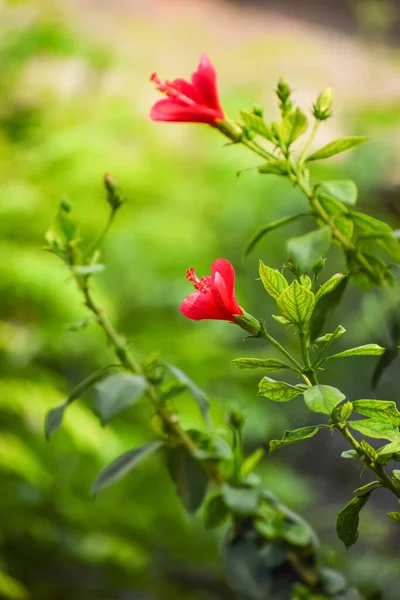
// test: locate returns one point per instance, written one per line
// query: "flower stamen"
(168, 88)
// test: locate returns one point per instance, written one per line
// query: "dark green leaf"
(196, 391)
(323, 398)
(383, 409)
(257, 124)
(89, 269)
(117, 393)
(270, 227)
(215, 512)
(292, 437)
(124, 464)
(189, 477)
(296, 303)
(348, 520)
(278, 391)
(171, 389)
(273, 281)
(325, 306)
(344, 190)
(268, 364)
(54, 419)
(366, 350)
(243, 502)
(336, 147)
(377, 428)
(310, 248)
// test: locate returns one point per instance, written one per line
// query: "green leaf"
(332, 206)
(348, 520)
(278, 391)
(273, 281)
(215, 512)
(124, 464)
(257, 124)
(336, 147)
(55, 416)
(89, 269)
(292, 437)
(389, 452)
(325, 306)
(275, 167)
(197, 393)
(117, 393)
(268, 364)
(12, 589)
(296, 303)
(189, 477)
(323, 398)
(293, 126)
(377, 428)
(350, 454)
(171, 389)
(369, 224)
(395, 516)
(243, 502)
(250, 463)
(366, 350)
(372, 485)
(383, 409)
(281, 320)
(344, 190)
(396, 474)
(310, 248)
(331, 337)
(329, 286)
(270, 227)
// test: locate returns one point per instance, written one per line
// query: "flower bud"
(322, 109)
(114, 194)
(283, 90)
(236, 418)
(258, 111)
(249, 323)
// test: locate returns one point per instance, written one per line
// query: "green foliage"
(296, 303)
(273, 281)
(267, 364)
(310, 248)
(189, 477)
(292, 437)
(261, 233)
(348, 519)
(336, 147)
(117, 393)
(344, 190)
(323, 398)
(278, 391)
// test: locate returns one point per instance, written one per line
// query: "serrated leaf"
(329, 285)
(124, 464)
(292, 437)
(377, 428)
(310, 248)
(117, 393)
(273, 281)
(243, 502)
(270, 227)
(383, 409)
(296, 303)
(189, 478)
(277, 391)
(88, 269)
(257, 124)
(344, 190)
(215, 512)
(268, 364)
(293, 126)
(197, 393)
(336, 147)
(348, 520)
(365, 350)
(395, 516)
(323, 398)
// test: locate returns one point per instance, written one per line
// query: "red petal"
(200, 306)
(223, 275)
(187, 89)
(205, 82)
(170, 109)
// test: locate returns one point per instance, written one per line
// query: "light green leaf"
(89, 269)
(241, 501)
(278, 391)
(296, 303)
(11, 589)
(197, 393)
(366, 350)
(323, 398)
(257, 124)
(250, 462)
(396, 474)
(395, 516)
(293, 126)
(372, 485)
(331, 337)
(273, 281)
(329, 285)
(268, 364)
(310, 248)
(281, 320)
(348, 520)
(117, 393)
(189, 477)
(270, 227)
(377, 428)
(344, 190)
(350, 454)
(389, 452)
(274, 167)
(292, 437)
(124, 464)
(336, 147)
(383, 409)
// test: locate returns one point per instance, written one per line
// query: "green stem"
(308, 368)
(255, 147)
(281, 349)
(103, 234)
(304, 153)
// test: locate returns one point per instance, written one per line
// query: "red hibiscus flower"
(214, 297)
(190, 102)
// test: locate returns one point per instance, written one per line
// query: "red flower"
(191, 102)
(214, 297)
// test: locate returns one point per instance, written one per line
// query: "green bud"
(322, 109)
(231, 129)
(236, 417)
(258, 110)
(65, 204)
(283, 90)
(346, 411)
(114, 195)
(249, 323)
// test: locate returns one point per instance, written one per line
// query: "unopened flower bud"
(283, 90)
(258, 110)
(236, 417)
(322, 109)
(114, 194)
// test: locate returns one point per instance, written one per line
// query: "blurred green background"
(74, 104)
